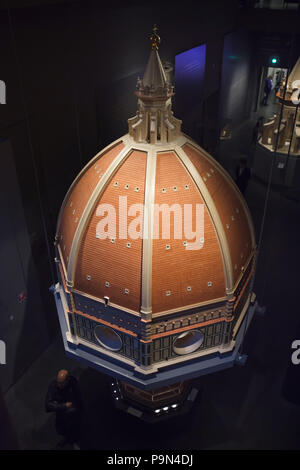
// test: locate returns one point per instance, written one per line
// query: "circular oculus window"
(108, 338)
(188, 342)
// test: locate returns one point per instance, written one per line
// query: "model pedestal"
(157, 404)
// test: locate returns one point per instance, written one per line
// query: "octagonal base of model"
(188, 370)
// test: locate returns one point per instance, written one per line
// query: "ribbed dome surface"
(155, 274)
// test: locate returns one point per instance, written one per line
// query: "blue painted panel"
(189, 81)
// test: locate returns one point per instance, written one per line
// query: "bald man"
(64, 399)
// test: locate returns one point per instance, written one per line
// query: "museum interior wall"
(237, 76)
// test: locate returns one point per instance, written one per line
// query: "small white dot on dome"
(186, 186)
(212, 170)
(107, 284)
(116, 184)
(73, 211)
(175, 188)
(126, 186)
(112, 240)
(126, 291)
(163, 190)
(168, 247)
(168, 292)
(232, 217)
(204, 179)
(208, 174)
(209, 283)
(189, 288)
(185, 243)
(71, 204)
(88, 277)
(202, 240)
(137, 189)
(227, 226)
(128, 244)
(76, 220)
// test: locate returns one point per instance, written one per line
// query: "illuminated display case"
(281, 135)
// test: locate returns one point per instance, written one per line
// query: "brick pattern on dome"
(182, 277)
(114, 269)
(79, 197)
(227, 200)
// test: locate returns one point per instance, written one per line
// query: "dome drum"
(145, 346)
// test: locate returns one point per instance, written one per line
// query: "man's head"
(62, 378)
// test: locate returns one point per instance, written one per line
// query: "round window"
(108, 338)
(188, 342)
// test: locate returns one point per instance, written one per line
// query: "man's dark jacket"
(57, 398)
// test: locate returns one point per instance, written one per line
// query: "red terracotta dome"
(166, 275)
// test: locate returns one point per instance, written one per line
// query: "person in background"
(278, 82)
(242, 175)
(267, 89)
(64, 399)
(257, 130)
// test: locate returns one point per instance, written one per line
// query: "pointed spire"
(154, 76)
(155, 81)
(154, 121)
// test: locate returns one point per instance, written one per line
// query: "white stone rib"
(146, 302)
(214, 215)
(104, 180)
(230, 182)
(84, 169)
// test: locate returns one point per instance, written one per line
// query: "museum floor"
(251, 407)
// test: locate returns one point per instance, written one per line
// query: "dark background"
(70, 70)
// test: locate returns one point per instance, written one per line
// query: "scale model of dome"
(154, 308)
(288, 115)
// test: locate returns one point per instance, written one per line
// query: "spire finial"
(154, 121)
(154, 38)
